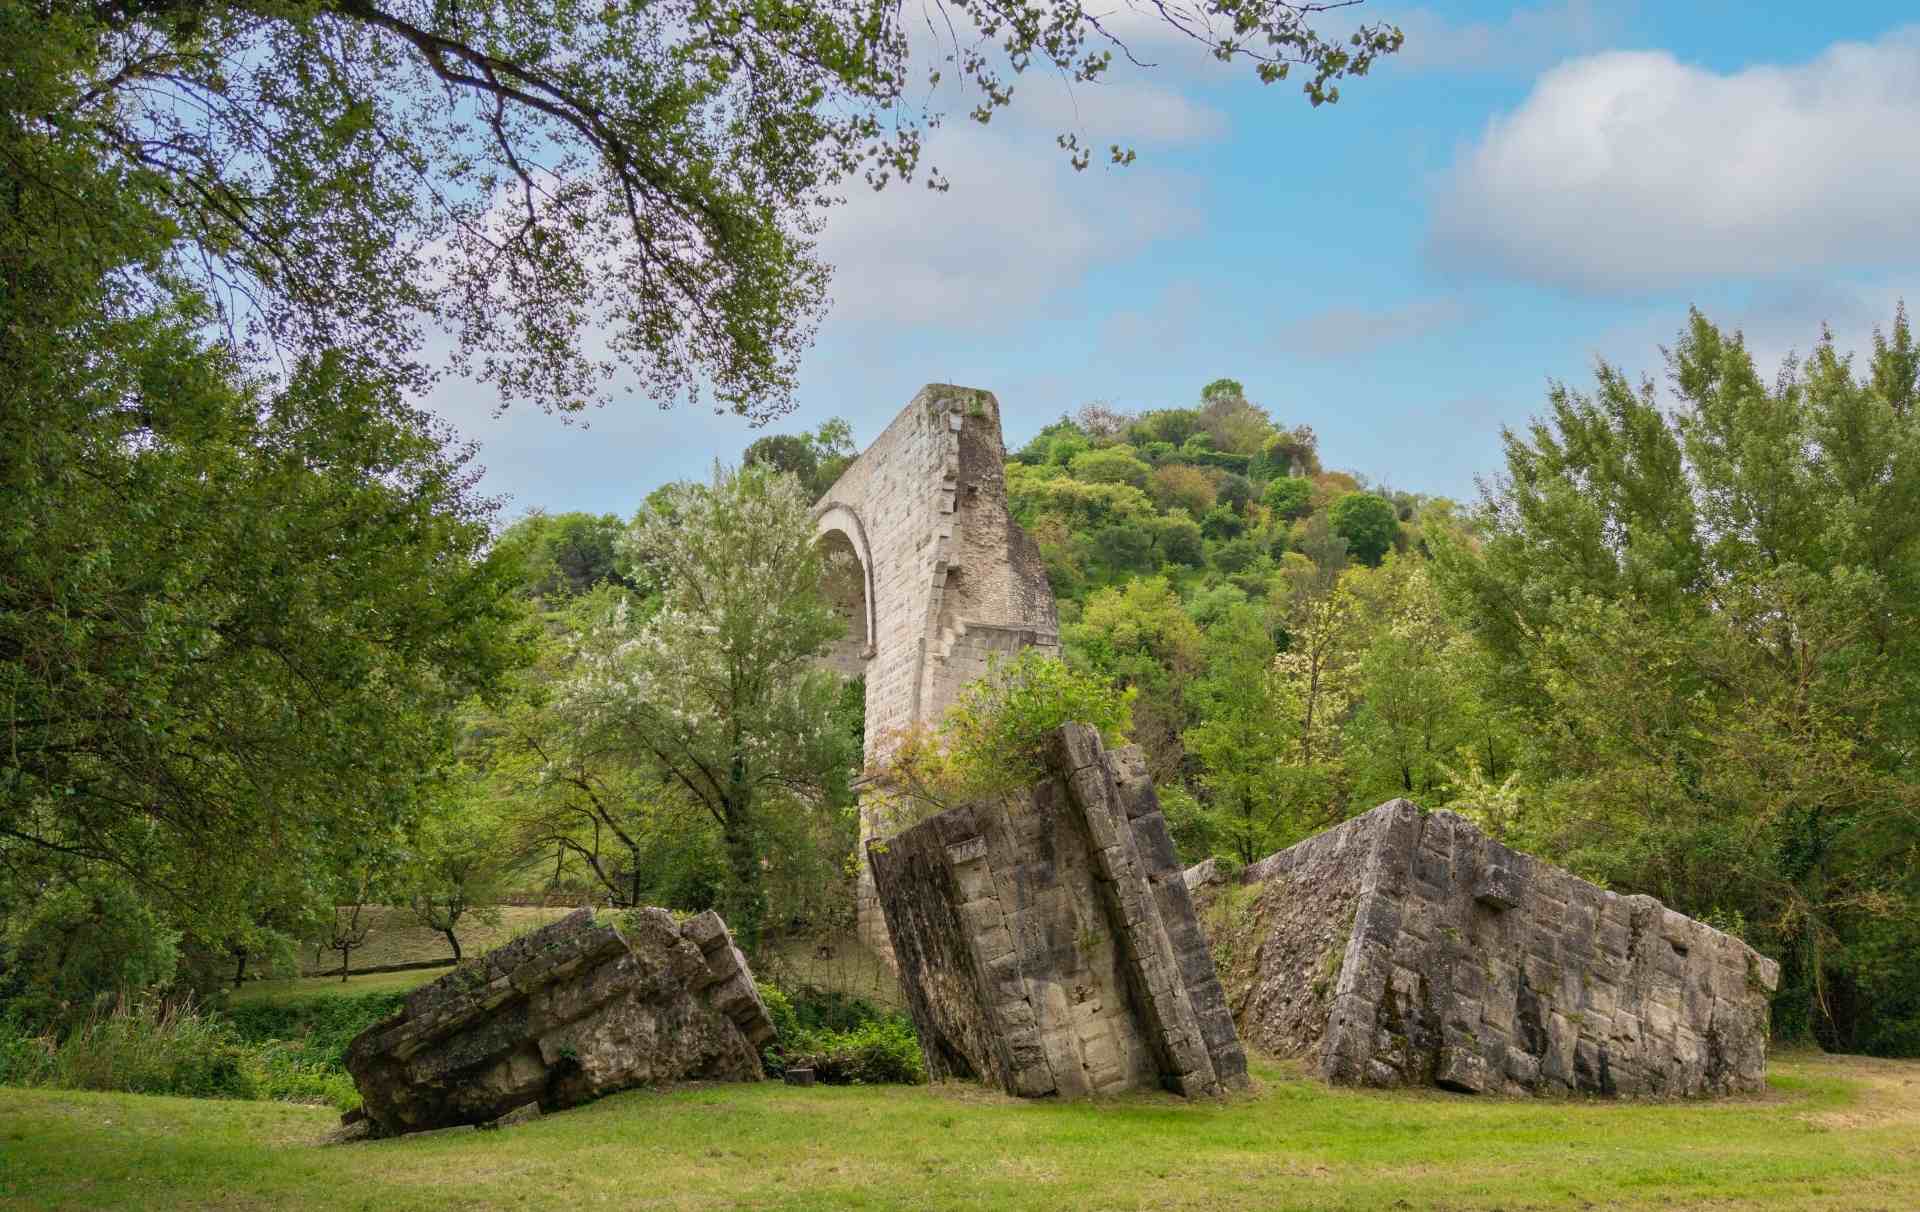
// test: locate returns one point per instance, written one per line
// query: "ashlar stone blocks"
(1046, 940)
(565, 1014)
(942, 579)
(1408, 948)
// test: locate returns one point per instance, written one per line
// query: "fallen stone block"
(561, 1016)
(1046, 940)
(1405, 948)
(799, 1077)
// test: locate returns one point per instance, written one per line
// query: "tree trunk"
(453, 941)
(746, 900)
(240, 968)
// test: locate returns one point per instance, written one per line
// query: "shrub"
(1110, 465)
(283, 1070)
(1179, 540)
(80, 946)
(1368, 522)
(25, 1060)
(845, 1040)
(878, 1053)
(155, 1048)
(1290, 497)
(321, 1025)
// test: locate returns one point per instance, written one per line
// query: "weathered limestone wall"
(950, 579)
(1047, 942)
(1407, 948)
(563, 1015)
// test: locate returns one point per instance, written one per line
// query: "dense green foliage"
(238, 607)
(321, 1024)
(164, 1048)
(561, 190)
(1673, 650)
(674, 742)
(845, 1041)
(1704, 616)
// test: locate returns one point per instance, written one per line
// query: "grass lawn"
(843, 964)
(1831, 1133)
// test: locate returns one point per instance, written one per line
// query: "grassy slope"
(396, 938)
(844, 965)
(310, 986)
(1833, 1133)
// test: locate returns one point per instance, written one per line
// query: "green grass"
(320, 986)
(1832, 1133)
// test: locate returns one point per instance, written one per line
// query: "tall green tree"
(718, 690)
(1368, 522)
(1247, 743)
(1703, 610)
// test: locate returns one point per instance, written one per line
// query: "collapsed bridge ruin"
(943, 580)
(1408, 948)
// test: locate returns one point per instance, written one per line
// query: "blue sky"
(1523, 189)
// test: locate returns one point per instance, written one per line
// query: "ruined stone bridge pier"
(941, 579)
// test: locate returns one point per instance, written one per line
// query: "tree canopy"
(564, 191)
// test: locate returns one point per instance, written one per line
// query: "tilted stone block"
(563, 1015)
(1046, 940)
(1407, 948)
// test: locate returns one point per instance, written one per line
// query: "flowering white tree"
(720, 689)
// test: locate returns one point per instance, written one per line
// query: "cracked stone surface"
(1408, 948)
(1046, 940)
(561, 1016)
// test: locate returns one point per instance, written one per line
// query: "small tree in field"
(718, 692)
(455, 870)
(349, 933)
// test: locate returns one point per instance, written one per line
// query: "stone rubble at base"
(561, 1016)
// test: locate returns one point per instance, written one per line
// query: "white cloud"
(1634, 171)
(1525, 40)
(1016, 227)
(1344, 332)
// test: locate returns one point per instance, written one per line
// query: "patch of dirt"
(1889, 1095)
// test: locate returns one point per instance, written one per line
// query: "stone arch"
(839, 532)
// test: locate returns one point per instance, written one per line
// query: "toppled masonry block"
(561, 1016)
(1046, 940)
(1407, 948)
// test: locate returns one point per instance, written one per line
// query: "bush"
(1290, 497)
(78, 948)
(321, 1026)
(283, 1070)
(879, 1053)
(155, 1048)
(1369, 523)
(1110, 465)
(25, 1060)
(159, 1048)
(846, 1041)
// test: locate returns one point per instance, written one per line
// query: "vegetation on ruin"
(1831, 1133)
